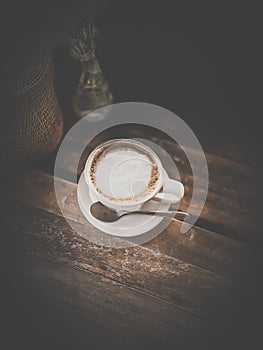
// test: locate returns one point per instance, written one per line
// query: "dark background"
(200, 59)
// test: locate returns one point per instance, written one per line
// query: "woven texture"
(31, 122)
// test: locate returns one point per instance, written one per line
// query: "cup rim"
(111, 202)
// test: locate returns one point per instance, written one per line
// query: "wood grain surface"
(200, 247)
(151, 296)
(233, 200)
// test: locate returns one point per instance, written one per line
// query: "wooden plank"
(214, 252)
(199, 247)
(233, 203)
(85, 294)
(55, 305)
(190, 288)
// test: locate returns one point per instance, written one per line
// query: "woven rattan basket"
(30, 121)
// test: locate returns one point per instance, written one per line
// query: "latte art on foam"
(124, 172)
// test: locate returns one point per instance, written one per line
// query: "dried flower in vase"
(93, 90)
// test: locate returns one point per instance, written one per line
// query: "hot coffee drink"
(124, 171)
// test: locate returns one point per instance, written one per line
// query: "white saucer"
(127, 226)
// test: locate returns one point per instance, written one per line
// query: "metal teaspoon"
(103, 213)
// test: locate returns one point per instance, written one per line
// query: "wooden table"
(200, 289)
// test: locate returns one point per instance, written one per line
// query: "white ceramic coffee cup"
(172, 192)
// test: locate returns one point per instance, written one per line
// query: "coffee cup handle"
(173, 191)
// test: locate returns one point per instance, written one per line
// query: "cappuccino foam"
(124, 172)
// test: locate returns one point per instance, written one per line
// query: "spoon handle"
(165, 214)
